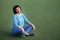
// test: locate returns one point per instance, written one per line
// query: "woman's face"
(18, 10)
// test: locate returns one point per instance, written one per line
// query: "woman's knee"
(30, 27)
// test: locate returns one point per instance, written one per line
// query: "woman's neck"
(19, 14)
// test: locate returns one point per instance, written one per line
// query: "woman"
(18, 23)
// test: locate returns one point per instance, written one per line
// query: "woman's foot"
(30, 34)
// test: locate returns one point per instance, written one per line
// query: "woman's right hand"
(23, 31)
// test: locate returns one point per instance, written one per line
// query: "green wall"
(45, 14)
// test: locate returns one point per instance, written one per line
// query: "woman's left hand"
(33, 26)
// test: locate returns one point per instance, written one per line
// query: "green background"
(45, 14)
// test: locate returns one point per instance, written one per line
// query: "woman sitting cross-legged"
(18, 23)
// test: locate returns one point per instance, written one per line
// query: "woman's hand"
(23, 31)
(32, 26)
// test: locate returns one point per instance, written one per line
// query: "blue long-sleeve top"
(19, 20)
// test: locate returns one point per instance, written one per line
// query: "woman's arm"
(28, 22)
(32, 26)
(23, 31)
(16, 24)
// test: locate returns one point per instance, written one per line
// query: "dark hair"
(15, 8)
